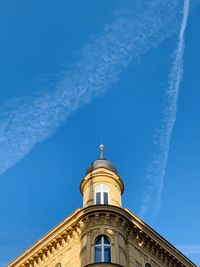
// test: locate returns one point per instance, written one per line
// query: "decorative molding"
(91, 221)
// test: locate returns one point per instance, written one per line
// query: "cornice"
(151, 240)
(57, 238)
(135, 229)
(82, 220)
(103, 172)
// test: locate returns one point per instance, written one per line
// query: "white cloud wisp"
(136, 28)
(190, 249)
(156, 174)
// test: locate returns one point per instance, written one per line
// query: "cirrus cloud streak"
(156, 174)
(136, 28)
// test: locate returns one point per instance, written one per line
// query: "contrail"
(156, 173)
(135, 29)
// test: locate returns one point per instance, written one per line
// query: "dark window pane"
(98, 254)
(107, 256)
(105, 198)
(106, 240)
(98, 198)
(98, 241)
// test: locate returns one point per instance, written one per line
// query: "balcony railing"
(103, 264)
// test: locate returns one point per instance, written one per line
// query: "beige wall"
(118, 250)
(97, 177)
(67, 255)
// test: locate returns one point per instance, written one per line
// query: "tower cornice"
(103, 172)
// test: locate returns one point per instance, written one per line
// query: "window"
(102, 249)
(58, 265)
(101, 192)
(147, 265)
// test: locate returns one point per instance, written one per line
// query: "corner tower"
(102, 233)
(102, 184)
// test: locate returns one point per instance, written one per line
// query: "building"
(102, 233)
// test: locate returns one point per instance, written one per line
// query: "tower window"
(102, 249)
(101, 192)
(147, 265)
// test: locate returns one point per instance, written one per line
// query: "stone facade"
(72, 243)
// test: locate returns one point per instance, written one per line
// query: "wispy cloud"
(156, 172)
(190, 249)
(137, 26)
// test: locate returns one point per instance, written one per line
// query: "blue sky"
(74, 74)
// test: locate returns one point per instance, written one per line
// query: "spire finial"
(102, 150)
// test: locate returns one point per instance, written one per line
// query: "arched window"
(147, 265)
(102, 249)
(101, 193)
(58, 264)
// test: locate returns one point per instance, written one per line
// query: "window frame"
(101, 189)
(103, 246)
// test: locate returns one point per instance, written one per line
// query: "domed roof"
(101, 163)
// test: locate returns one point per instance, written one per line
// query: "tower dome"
(101, 163)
